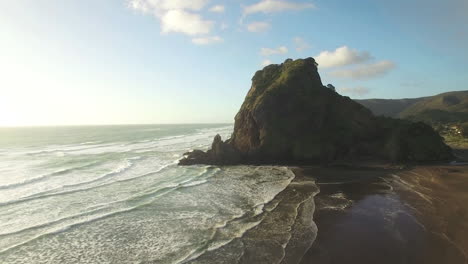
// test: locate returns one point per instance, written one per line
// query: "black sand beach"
(390, 215)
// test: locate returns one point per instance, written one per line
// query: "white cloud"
(159, 6)
(366, 71)
(273, 6)
(185, 22)
(258, 26)
(341, 56)
(266, 62)
(176, 15)
(182, 4)
(301, 44)
(207, 40)
(268, 51)
(217, 9)
(357, 91)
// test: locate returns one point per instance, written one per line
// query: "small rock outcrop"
(221, 153)
(290, 117)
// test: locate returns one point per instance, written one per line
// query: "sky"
(76, 62)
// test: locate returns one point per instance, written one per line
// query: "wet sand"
(382, 214)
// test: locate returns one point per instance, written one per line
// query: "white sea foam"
(195, 197)
(66, 202)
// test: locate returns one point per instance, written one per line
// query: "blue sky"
(68, 62)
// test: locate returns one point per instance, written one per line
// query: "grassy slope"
(442, 108)
(389, 107)
(450, 102)
(451, 107)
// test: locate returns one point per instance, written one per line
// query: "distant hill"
(389, 107)
(450, 107)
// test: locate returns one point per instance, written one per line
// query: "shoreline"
(383, 214)
(284, 233)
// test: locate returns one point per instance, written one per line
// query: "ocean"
(114, 194)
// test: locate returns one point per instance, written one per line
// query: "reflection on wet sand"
(379, 215)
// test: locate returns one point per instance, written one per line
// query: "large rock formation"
(289, 117)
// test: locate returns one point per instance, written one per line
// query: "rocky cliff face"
(289, 117)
